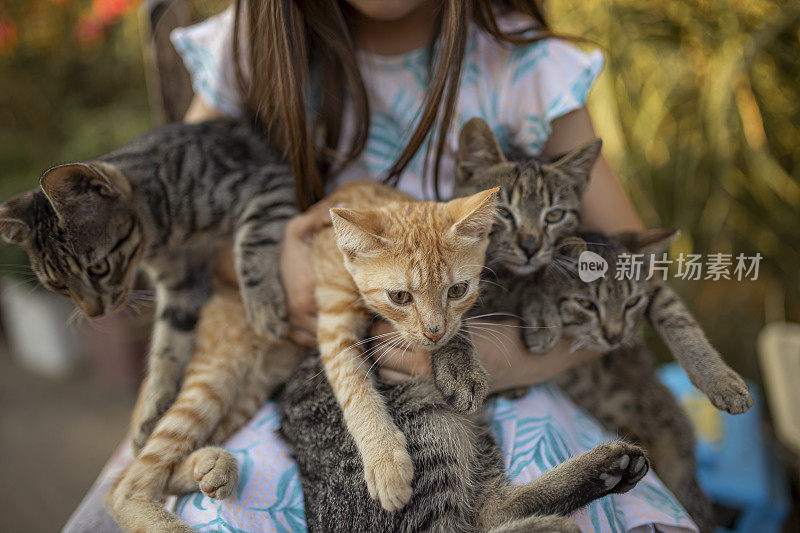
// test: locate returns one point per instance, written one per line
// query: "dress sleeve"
(545, 80)
(207, 51)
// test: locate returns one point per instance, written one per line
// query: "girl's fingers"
(310, 221)
(411, 362)
(302, 337)
(306, 321)
(388, 374)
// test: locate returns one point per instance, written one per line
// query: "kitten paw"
(623, 466)
(729, 392)
(542, 339)
(217, 473)
(463, 387)
(389, 473)
(266, 313)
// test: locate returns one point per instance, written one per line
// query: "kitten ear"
(357, 232)
(474, 215)
(571, 247)
(577, 164)
(477, 149)
(648, 242)
(14, 217)
(75, 185)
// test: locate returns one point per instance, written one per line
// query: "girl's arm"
(605, 208)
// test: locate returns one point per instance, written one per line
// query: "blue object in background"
(736, 468)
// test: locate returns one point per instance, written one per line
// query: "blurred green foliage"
(65, 95)
(699, 108)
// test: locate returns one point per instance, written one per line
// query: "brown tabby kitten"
(621, 390)
(539, 206)
(460, 484)
(418, 265)
(162, 204)
(232, 372)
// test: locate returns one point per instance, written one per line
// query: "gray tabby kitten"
(459, 484)
(165, 203)
(539, 207)
(621, 389)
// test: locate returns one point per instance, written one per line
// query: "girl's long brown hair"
(287, 38)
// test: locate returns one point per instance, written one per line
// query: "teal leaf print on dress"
(523, 59)
(287, 513)
(544, 440)
(663, 500)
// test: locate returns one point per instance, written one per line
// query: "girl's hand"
(297, 272)
(504, 356)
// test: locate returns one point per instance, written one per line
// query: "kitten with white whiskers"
(533, 249)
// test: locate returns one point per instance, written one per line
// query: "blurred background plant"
(699, 110)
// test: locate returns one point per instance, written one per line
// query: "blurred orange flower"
(110, 11)
(92, 24)
(8, 36)
(88, 29)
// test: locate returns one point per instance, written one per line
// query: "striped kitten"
(621, 390)
(164, 204)
(231, 373)
(416, 264)
(540, 204)
(460, 483)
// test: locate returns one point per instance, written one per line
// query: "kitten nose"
(433, 333)
(92, 309)
(612, 338)
(529, 244)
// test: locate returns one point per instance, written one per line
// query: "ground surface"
(54, 439)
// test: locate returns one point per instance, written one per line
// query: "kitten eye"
(98, 270)
(633, 303)
(399, 297)
(586, 304)
(457, 291)
(554, 215)
(505, 213)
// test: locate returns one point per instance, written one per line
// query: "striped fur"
(232, 372)
(164, 204)
(459, 483)
(381, 245)
(622, 390)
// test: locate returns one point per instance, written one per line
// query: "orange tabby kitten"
(230, 375)
(418, 265)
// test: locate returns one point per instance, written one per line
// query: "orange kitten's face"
(418, 264)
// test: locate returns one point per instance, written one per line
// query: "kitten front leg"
(181, 292)
(541, 321)
(257, 259)
(458, 374)
(703, 364)
(388, 468)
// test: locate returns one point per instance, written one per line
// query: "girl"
(379, 88)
